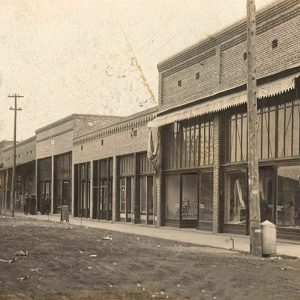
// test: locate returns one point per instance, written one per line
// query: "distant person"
(42, 205)
(26, 204)
(32, 204)
(19, 201)
(47, 204)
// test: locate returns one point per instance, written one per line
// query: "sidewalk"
(241, 243)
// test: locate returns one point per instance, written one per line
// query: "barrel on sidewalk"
(268, 231)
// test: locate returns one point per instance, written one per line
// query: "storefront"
(44, 181)
(187, 169)
(102, 189)
(146, 189)
(82, 190)
(6, 176)
(279, 166)
(127, 184)
(25, 183)
(62, 181)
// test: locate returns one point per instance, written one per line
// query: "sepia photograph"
(149, 149)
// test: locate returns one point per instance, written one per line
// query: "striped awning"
(225, 102)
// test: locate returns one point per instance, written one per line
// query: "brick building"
(202, 115)
(54, 146)
(113, 177)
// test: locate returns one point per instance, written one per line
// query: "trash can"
(64, 216)
(268, 235)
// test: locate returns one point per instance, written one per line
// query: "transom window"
(277, 133)
(188, 144)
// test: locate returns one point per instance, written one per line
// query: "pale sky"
(71, 56)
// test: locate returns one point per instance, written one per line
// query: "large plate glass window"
(288, 199)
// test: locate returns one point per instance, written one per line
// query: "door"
(128, 199)
(267, 181)
(105, 207)
(125, 199)
(150, 192)
(44, 192)
(66, 193)
(205, 200)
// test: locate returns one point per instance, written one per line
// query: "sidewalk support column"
(134, 192)
(6, 191)
(137, 189)
(91, 188)
(158, 179)
(73, 188)
(36, 183)
(159, 185)
(52, 184)
(216, 175)
(114, 190)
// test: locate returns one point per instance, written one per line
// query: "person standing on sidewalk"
(26, 204)
(47, 204)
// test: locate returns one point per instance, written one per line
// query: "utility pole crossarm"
(14, 174)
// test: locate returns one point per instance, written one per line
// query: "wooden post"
(134, 200)
(114, 191)
(52, 183)
(254, 201)
(73, 189)
(6, 188)
(91, 189)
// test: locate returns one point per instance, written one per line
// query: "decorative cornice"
(123, 126)
(54, 135)
(22, 143)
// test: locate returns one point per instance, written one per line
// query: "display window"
(288, 199)
(235, 205)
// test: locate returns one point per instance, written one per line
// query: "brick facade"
(26, 152)
(220, 59)
(127, 136)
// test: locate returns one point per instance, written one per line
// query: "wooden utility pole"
(13, 182)
(253, 171)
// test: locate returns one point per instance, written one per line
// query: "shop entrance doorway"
(104, 203)
(66, 193)
(125, 199)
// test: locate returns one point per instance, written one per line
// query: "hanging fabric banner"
(153, 151)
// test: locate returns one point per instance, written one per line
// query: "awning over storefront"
(222, 103)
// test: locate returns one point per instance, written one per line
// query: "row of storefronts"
(188, 167)
(132, 201)
(184, 163)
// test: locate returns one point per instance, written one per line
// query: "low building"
(54, 146)
(113, 177)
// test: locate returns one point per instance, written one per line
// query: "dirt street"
(69, 262)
